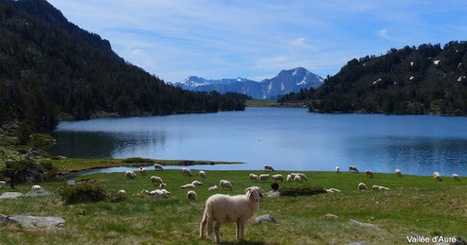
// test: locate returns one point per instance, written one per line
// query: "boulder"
(37, 222)
(264, 218)
(11, 195)
(37, 192)
(354, 222)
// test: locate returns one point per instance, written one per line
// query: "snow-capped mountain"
(285, 82)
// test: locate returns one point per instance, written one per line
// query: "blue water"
(287, 138)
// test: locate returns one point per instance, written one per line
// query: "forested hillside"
(424, 80)
(52, 69)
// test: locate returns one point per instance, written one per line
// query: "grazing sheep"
(331, 190)
(289, 178)
(191, 195)
(159, 193)
(213, 188)
(264, 177)
(278, 177)
(202, 174)
(196, 183)
(297, 178)
(130, 174)
(353, 168)
(398, 172)
(362, 186)
(142, 170)
(36, 187)
(268, 167)
(186, 171)
(122, 192)
(303, 176)
(293, 175)
(155, 179)
(369, 173)
(437, 176)
(158, 166)
(455, 177)
(225, 184)
(337, 169)
(229, 209)
(162, 185)
(254, 177)
(187, 186)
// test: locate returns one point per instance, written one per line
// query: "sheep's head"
(254, 192)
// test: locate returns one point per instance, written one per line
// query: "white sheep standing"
(455, 177)
(398, 172)
(142, 170)
(225, 184)
(264, 177)
(196, 183)
(157, 179)
(130, 174)
(158, 166)
(289, 178)
(213, 188)
(302, 176)
(369, 173)
(362, 186)
(254, 177)
(122, 192)
(186, 171)
(202, 174)
(268, 167)
(36, 187)
(353, 168)
(337, 169)
(437, 176)
(191, 195)
(297, 178)
(229, 209)
(278, 177)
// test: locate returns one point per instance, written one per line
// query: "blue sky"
(258, 39)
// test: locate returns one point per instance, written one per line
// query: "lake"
(286, 138)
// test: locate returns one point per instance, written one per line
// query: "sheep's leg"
(238, 229)
(242, 228)
(216, 230)
(202, 226)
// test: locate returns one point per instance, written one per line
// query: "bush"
(302, 191)
(28, 171)
(40, 140)
(83, 193)
(138, 160)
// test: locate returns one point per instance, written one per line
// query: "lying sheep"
(36, 187)
(337, 169)
(302, 176)
(264, 177)
(362, 186)
(142, 170)
(130, 174)
(289, 178)
(229, 209)
(375, 187)
(455, 177)
(254, 177)
(202, 174)
(159, 193)
(225, 184)
(187, 186)
(186, 171)
(191, 195)
(383, 188)
(122, 192)
(297, 178)
(369, 173)
(213, 188)
(331, 190)
(278, 177)
(145, 192)
(437, 176)
(158, 166)
(157, 179)
(196, 183)
(353, 168)
(398, 172)
(268, 167)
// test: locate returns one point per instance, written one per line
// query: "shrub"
(302, 191)
(83, 193)
(28, 171)
(40, 140)
(138, 160)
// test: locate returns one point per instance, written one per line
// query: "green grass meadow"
(414, 205)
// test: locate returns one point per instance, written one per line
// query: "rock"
(37, 222)
(264, 218)
(11, 195)
(272, 194)
(331, 216)
(4, 220)
(354, 222)
(37, 192)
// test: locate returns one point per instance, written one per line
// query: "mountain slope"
(424, 80)
(285, 82)
(50, 68)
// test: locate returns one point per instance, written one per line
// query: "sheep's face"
(254, 193)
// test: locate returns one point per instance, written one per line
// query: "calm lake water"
(287, 138)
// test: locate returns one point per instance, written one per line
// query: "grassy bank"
(414, 205)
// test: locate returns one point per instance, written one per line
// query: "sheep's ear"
(248, 190)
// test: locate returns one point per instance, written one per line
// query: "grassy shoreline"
(414, 205)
